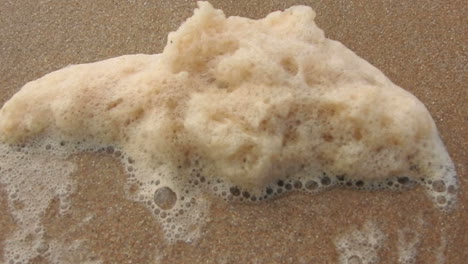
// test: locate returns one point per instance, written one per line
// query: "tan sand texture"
(316, 216)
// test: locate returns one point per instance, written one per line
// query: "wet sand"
(420, 45)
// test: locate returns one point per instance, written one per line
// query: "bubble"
(325, 180)
(110, 150)
(311, 185)
(165, 198)
(354, 260)
(269, 191)
(441, 199)
(42, 248)
(234, 191)
(403, 180)
(439, 186)
(280, 183)
(297, 184)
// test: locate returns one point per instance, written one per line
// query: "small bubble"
(359, 183)
(288, 186)
(64, 206)
(311, 185)
(280, 183)
(42, 248)
(234, 191)
(441, 199)
(279, 190)
(439, 186)
(354, 260)
(297, 184)
(165, 197)
(110, 150)
(403, 180)
(269, 191)
(325, 181)
(246, 194)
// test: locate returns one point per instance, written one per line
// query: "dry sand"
(421, 45)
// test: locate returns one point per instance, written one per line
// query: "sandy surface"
(421, 45)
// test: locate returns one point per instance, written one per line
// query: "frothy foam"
(245, 109)
(360, 246)
(33, 176)
(408, 242)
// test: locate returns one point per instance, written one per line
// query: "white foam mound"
(243, 108)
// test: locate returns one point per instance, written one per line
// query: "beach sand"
(421, 46)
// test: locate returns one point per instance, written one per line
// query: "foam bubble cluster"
(245, 109)
(360, 246)
(33, 176)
